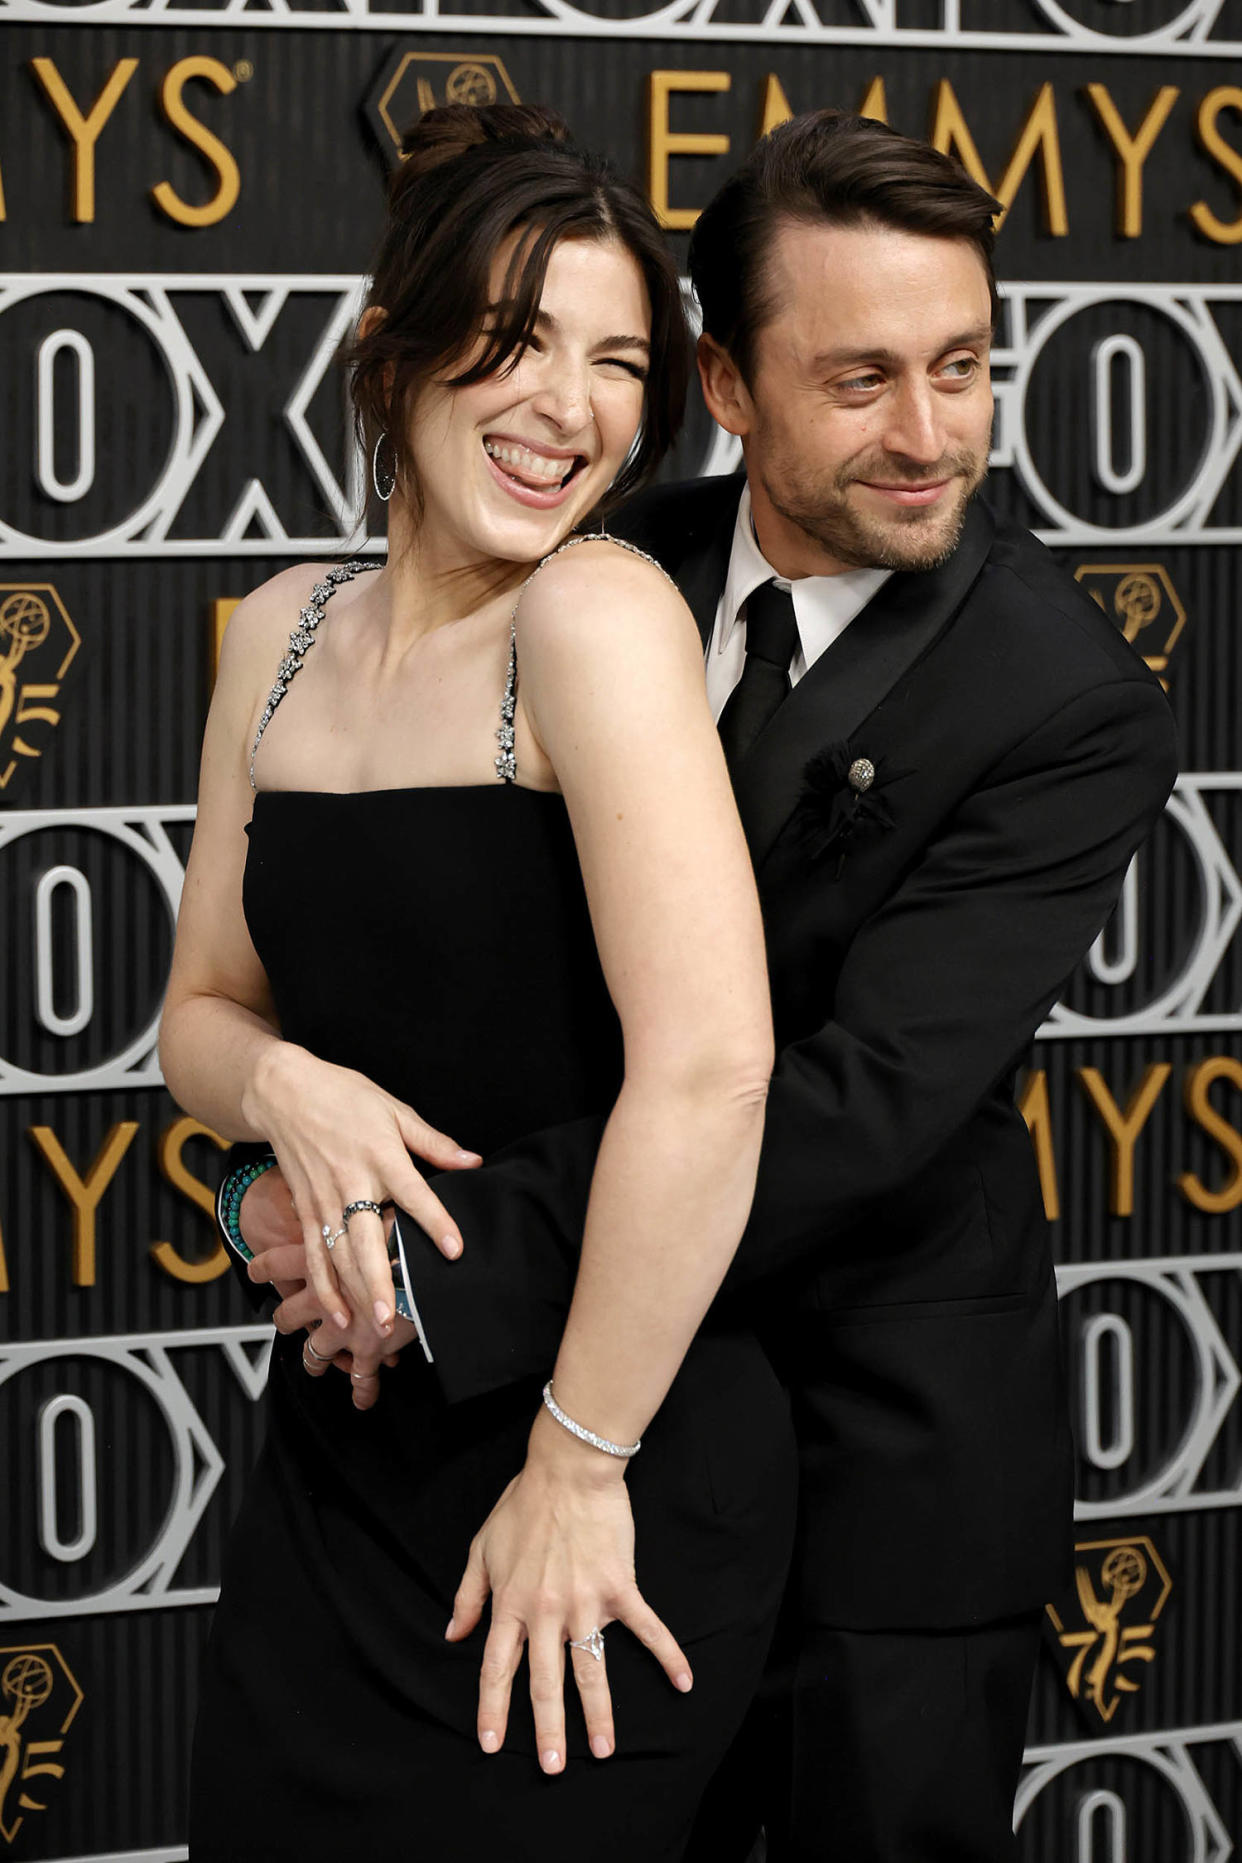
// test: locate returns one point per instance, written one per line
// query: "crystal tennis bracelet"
(585, 1435)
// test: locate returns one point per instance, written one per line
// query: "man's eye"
(962, 367)
(862, 383)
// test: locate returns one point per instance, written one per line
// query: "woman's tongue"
(537, 481)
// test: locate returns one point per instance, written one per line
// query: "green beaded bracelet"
(229, 1202)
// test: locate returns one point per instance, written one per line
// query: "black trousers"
(878, 1747)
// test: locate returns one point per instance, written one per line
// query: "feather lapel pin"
(839, 805)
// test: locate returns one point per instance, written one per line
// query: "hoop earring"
(382, 492)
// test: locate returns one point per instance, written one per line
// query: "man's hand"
(329, 1347)
(271, 1230)
(268, 1218)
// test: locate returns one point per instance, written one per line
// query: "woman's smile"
(536, 476)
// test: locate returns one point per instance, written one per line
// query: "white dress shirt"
(406, 1306)
(824, 606)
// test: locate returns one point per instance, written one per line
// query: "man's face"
(867, 420)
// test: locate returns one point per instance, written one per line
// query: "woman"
(412, 925)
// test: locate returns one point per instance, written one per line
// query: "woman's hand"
(556, 1554)
(340, 1139)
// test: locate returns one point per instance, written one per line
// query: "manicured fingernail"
(468, 1157)
(684, 1681)
(452, 1625)
(381, 1314)
(341, 1320)
(551, 1760)
(452, 1247)
(601, 1746)
(488, 1741)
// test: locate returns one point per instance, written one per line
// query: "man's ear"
(726, 394)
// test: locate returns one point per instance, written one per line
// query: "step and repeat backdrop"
(189, 194)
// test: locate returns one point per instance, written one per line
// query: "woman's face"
(509, 465)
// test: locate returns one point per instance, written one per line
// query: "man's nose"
(916, 427)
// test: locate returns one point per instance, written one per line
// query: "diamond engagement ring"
(593, 1645)
(332, 1236)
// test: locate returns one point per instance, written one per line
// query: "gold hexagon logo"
(39, 1699)
(37, 643)
(419, 81)
(1141, 599)
(1113, 1580)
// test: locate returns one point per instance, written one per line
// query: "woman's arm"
(336, 1134)
(611, 684)
(218, 1020)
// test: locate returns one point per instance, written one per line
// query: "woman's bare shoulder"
(258, 629)
(585, 590)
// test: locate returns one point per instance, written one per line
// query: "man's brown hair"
(823, 169)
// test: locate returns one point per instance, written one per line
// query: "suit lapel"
(848, 681)
(703, 569)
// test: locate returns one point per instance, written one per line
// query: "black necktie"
(771, 637)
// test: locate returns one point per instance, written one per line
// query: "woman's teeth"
(519, 459)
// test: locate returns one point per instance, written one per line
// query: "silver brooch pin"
(861, 774)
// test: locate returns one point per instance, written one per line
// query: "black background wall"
(190, 196)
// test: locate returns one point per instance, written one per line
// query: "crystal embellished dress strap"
(506, 760)
(302, 639)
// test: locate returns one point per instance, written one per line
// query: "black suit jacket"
(896, 1258)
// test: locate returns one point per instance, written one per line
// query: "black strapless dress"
(439, 941)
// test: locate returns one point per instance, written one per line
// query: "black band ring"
(363, 1203)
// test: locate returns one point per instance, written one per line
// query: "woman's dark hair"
(470, 178)
(823, 169)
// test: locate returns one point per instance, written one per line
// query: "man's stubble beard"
(917, 539)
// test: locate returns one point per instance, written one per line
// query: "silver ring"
(308, 1347)
(363, 1203)
(331, 1236)
(593, 1645)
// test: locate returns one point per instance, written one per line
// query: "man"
(944, 757)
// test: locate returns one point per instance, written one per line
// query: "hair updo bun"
(442, 134)
(479, 183)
